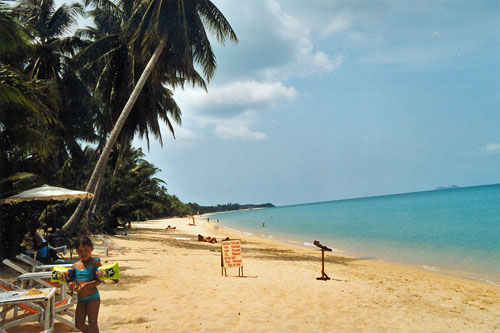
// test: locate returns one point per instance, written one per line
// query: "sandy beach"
(172, 284)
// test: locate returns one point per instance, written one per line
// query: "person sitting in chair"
(44, 252)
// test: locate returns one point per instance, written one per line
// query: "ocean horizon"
(449, 230)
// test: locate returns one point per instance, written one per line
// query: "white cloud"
(304, 59)
(234, 98)
(231, 109)
(230, 131)
(185, 134)
(237, 127)
(275, 44)
(337, 25)
(492, 148)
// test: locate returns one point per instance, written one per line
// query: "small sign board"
(231, 255)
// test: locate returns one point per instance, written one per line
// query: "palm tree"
(26, 113)
(13, 39)
(108, 59)
(136, 189)
(49, 61)
(47, 25)
(25, 135)
(178, 27)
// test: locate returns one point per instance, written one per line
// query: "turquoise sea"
(453, 231)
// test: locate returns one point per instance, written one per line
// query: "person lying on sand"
(207, 239)
(171, 228)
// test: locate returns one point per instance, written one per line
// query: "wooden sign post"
(323, 248)
(230, 256)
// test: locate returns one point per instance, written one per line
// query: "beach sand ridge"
(171, 284)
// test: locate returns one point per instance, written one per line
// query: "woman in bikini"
(86, 283)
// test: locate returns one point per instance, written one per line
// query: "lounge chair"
(21, 270)
(109, 245)
(42, 281)
(106, 247)
(40, 266)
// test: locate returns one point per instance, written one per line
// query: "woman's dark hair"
(83, 241)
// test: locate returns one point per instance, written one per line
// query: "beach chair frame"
(32, 280)
(109, 246)
(34, 313)
(21, 270)
(37, 265)
(62, 308)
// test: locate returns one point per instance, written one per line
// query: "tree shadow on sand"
(250, 249)
(170, 240)
(290, 255)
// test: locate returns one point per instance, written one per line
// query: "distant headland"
(226, 207)
(446, 187)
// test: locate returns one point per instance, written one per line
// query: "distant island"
(226, 207)
(446, 187)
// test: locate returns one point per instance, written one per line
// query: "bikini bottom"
(87, 299)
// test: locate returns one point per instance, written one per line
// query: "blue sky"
(327, 99)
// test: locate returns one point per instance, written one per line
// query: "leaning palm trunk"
(69, 227)
(95, 199)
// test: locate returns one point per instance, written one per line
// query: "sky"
(330, 99)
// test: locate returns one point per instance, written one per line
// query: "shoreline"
(436, 268)
(468, 275)
(170, 282)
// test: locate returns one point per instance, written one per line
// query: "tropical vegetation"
(226, 207)
(72, 104)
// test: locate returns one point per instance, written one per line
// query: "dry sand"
(172, 285)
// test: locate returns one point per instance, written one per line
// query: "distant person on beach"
(86, 283)
(171, 228)
(193, 222)
(262, 224)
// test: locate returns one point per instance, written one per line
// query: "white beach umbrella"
(46, 193)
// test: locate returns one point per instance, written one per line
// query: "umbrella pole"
(46, 219)
(53, 219)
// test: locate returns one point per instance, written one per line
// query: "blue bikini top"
(87, 274)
